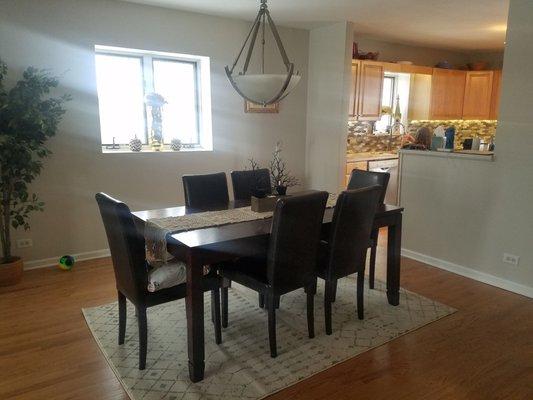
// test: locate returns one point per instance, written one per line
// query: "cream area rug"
(241, 367)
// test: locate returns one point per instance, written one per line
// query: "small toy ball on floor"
(66, 263)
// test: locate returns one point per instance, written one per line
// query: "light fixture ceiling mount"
(262, 88)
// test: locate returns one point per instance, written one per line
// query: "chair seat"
(248, 271)
(166, 276)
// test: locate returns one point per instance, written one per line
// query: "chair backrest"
(246, 182)
(351, 226)
(294, 241)
(205, 192)
(360, 179)
(126, 246)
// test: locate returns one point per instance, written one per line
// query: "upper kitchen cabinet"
(447, 94)
(365, 99)
(496, 91)
(478, 95)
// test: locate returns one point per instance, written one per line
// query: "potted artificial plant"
(28, 117)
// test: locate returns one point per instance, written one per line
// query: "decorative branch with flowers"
(281, 177)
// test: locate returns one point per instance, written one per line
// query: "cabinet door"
(353, 90)
(370, 90)
(495, 97)
(478, 91)
(447, 94)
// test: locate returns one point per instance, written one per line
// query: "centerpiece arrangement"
(280, 179)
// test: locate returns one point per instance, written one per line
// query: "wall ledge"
(470, 273)
(453, 154)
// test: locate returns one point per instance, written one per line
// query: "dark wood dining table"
(208, 246)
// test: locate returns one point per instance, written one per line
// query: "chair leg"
(121, 318)
(276, 301)
(360, 294)
(261, 300)
(333, 290)
(373, 250)
(327, 307)
(224, 307)
(143, 336)
(215, 301)
(372, 266)
(310, 311)
(272, 325)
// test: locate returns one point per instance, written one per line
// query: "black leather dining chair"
(245, 183)
(205, 192)
(289, 261)
(361, 179)
(344, 253)
(133, 273)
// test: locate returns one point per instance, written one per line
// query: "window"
(124, 77)
(387, 100)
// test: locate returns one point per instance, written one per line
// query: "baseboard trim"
(47, 262)
(470, 273)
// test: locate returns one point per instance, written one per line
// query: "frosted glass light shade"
(262, 88)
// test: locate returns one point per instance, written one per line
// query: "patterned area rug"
(241, 367)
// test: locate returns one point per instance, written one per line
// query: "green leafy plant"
(28, 117)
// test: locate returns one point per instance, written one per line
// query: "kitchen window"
(125, 77)
(387, 100)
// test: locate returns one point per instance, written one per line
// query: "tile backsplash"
(362, 140)
(483, 129)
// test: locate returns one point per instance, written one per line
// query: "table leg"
(195, 317)
(394, 246)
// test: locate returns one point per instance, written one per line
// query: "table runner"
(157, 229)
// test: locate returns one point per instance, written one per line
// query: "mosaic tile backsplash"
(361, 139)
(484, 129)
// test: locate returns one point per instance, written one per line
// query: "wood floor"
(484, 351)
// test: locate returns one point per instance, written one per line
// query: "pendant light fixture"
(262, 88)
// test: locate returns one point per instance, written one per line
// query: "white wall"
(327, 105)
(60, 35)
(470, 212)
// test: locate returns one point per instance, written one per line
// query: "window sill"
(124, 149)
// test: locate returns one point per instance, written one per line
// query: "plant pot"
(281, 190)
(11, 272)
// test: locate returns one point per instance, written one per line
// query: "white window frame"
(203, 94)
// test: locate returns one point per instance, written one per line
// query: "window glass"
(176, 81)
(119, 82)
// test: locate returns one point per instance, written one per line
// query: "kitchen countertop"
(370, 157)
(457, 154)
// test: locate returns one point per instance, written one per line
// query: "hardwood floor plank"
(484, 351)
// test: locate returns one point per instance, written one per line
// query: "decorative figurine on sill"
(136, 144)
(113, 146)
(156, 102)
(175, 144)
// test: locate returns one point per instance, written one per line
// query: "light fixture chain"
(245, 41)
(252, 41)
(263, 47)
(278, 40)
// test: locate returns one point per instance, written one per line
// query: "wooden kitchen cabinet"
(447, 94)
(367, 87)
(496, 92)
(478, 95)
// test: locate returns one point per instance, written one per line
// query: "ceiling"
(451, 24)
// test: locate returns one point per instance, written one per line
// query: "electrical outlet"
(21, 243)
(511, 259)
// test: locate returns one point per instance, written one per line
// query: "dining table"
(217, 244)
